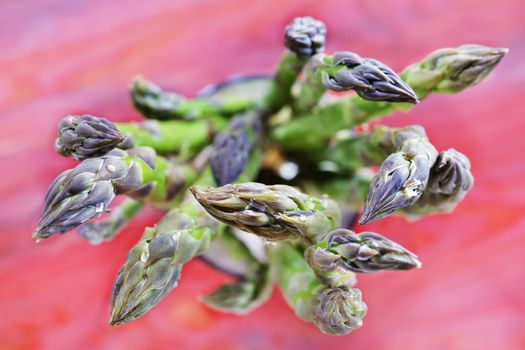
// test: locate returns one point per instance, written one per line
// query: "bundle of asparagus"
(282, 129)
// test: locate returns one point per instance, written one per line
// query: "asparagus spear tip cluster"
(215, 165)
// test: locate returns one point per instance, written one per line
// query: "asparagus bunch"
(270, 159)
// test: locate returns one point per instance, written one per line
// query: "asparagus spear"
(402, 177)
(343, 250)
(104, 230)
(344, 71)
(153, 266)
(334, 310)
(450, 70)
(275, 212)
(444, 71)
(232, 148)
(87, 136)
(154, 103)
(87, 190)
(327, 268)
(303, 38)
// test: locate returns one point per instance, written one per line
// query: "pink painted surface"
(59, 57)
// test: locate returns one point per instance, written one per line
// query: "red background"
(60, 56)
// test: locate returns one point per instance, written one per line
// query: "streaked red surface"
(63, 56)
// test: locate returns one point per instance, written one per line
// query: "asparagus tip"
(115, 321)
(369, 78)
(418, 264)
(366, 252)
(366, 218)
(86, 136)
(503, 51)
(414, 100)
(39, 234)
(305, 36)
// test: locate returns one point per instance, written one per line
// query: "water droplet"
(288, 170)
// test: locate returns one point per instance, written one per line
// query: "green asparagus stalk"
(444, 71)
(154, 103)
(275, 212)
(310, 89)
(153, 266)
(334, 310)
(104, 230)
(251, 289)
(312, 132)
(171, 136)
(87, 136)
(343, 250)
(303, 38)
(87, 190)
(348, 189)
